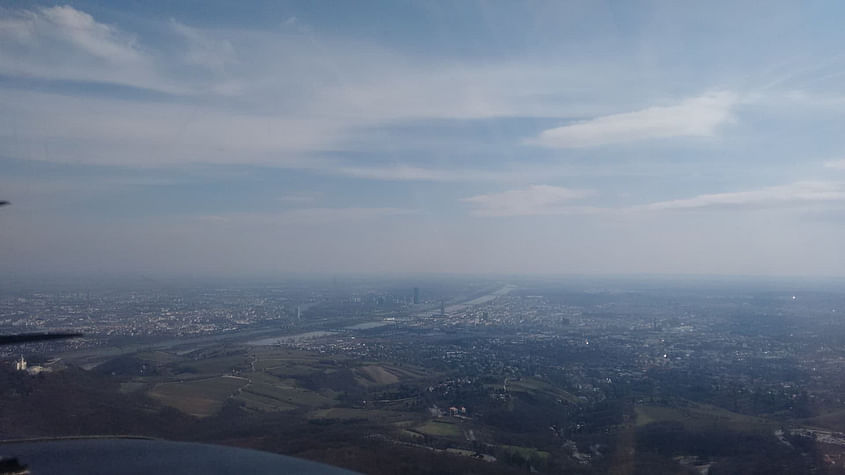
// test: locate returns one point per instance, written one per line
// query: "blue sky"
(232, 138)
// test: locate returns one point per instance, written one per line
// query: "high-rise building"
(416, 295)
(20, 365)
(442, 308)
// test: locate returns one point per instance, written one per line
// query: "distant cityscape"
(510, 375)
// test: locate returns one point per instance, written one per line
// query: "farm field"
(200, 398)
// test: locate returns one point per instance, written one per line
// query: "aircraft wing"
(31, 337)
(130, 456)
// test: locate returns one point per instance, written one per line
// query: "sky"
(233, 138)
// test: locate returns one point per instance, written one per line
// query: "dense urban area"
(445, 375)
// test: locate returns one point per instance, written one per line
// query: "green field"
(160, 357)
(462, 452)
(528, 453)
(220, 365)
(439, 429)
(373, 415)
(412, 434)
(273, 380)
(375, 375)
(702, 416)
(257, 402)
(535, 387)
(289, 396)
(291, 362)
(288, 369)
(199, 398)
(833, 420)
(131, 387)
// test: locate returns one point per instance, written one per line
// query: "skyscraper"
(416, 295)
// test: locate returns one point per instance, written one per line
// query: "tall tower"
(416, 295)
(442, 308)
(20, 365)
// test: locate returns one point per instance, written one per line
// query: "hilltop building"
(20, 365)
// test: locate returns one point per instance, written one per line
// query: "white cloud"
(512, 173)
(154, 134)
(205, 50)
(411, 173)
(79, 28)
(333, 215)
(298, 71)
(696, 117)
(533, 200)
(395, 173)
(64, 43)
(550, 200)
(299, 197)
(115, 132)
(798, 193)
(835, 164)
(309, 216)
(290, 93)
(386, 86)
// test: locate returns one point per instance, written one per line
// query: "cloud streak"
(794, 194)
(550, 200)
(282, 99)
(63, 43)
(531, 201)
(308, 216)
(695, 117)
(204, 50)
(442, 175)
(835, 164)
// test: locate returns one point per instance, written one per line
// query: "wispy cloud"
(205, 50)
(309, 216)
(551, 200)
(290, 96)
(530, 201)
(299, 197)
(835, 164)
(307, 74)
(102, 131)
(398, 173)
(63, 43)
(798, 193)
(78, 28)
(118, 132)
(333, 215)
(696, 117)
(411, 173)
